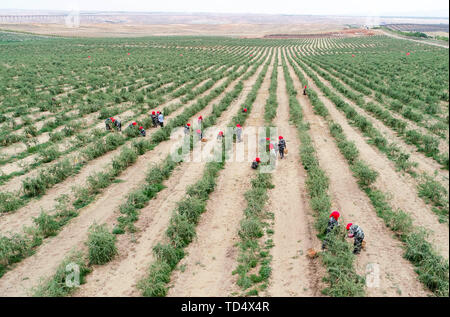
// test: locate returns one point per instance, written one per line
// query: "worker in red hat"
(355, 231)
(154, 119)
(239, 132)
(244, 110)
(142, 131)
(281, 146)
(333, 222)
(199, 120)
(187, 128)
(108, 123)
(255, 163)
(117, 124)
(220, 135)
(304, 91)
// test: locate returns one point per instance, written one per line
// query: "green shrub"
(101, 244)
(47, 225)
(364, 174)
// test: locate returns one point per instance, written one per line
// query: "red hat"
(245, 109)
(353, 55)
(153, 112)
(134, 123)
(112, 119)
(408, 53)
(335, 214)
(348, 226)
(188, 124)
(257, 160)
(238, 125)
(305, 86)
(280, 137)
(199, 131)
(140, 128)
(128, 53)
(221, 133)
(267, 139)
(89, 57)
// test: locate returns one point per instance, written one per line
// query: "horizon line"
(233, 13)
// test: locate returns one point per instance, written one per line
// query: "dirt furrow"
(397, 276)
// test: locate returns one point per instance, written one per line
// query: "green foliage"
(101, 244)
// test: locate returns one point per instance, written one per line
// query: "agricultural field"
(369, 138)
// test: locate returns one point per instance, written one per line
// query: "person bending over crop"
(187, 128)
(117, 124)
(304, 91)
(332, 223)
(281, 146)
(142, 131)
(355, 231)
(108, 123)
(154, 119)
(255, 163)
(220, 135)
(132, 124)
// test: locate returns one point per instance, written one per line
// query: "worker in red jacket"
(333, 222)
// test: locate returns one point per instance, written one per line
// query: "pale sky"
(422, 8)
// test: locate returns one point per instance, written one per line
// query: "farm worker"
(161, 119)
(108, 123)
(220, 135)
(154, 119)
(199, 134)
(200, 120)
(244, 110)
(187, 128)
(239, 132)
(281, 146)
(304, 91)
(355, 231)
(332, 222)
(117, 124)
(132, 124)
(255, 163)
(142, 131)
